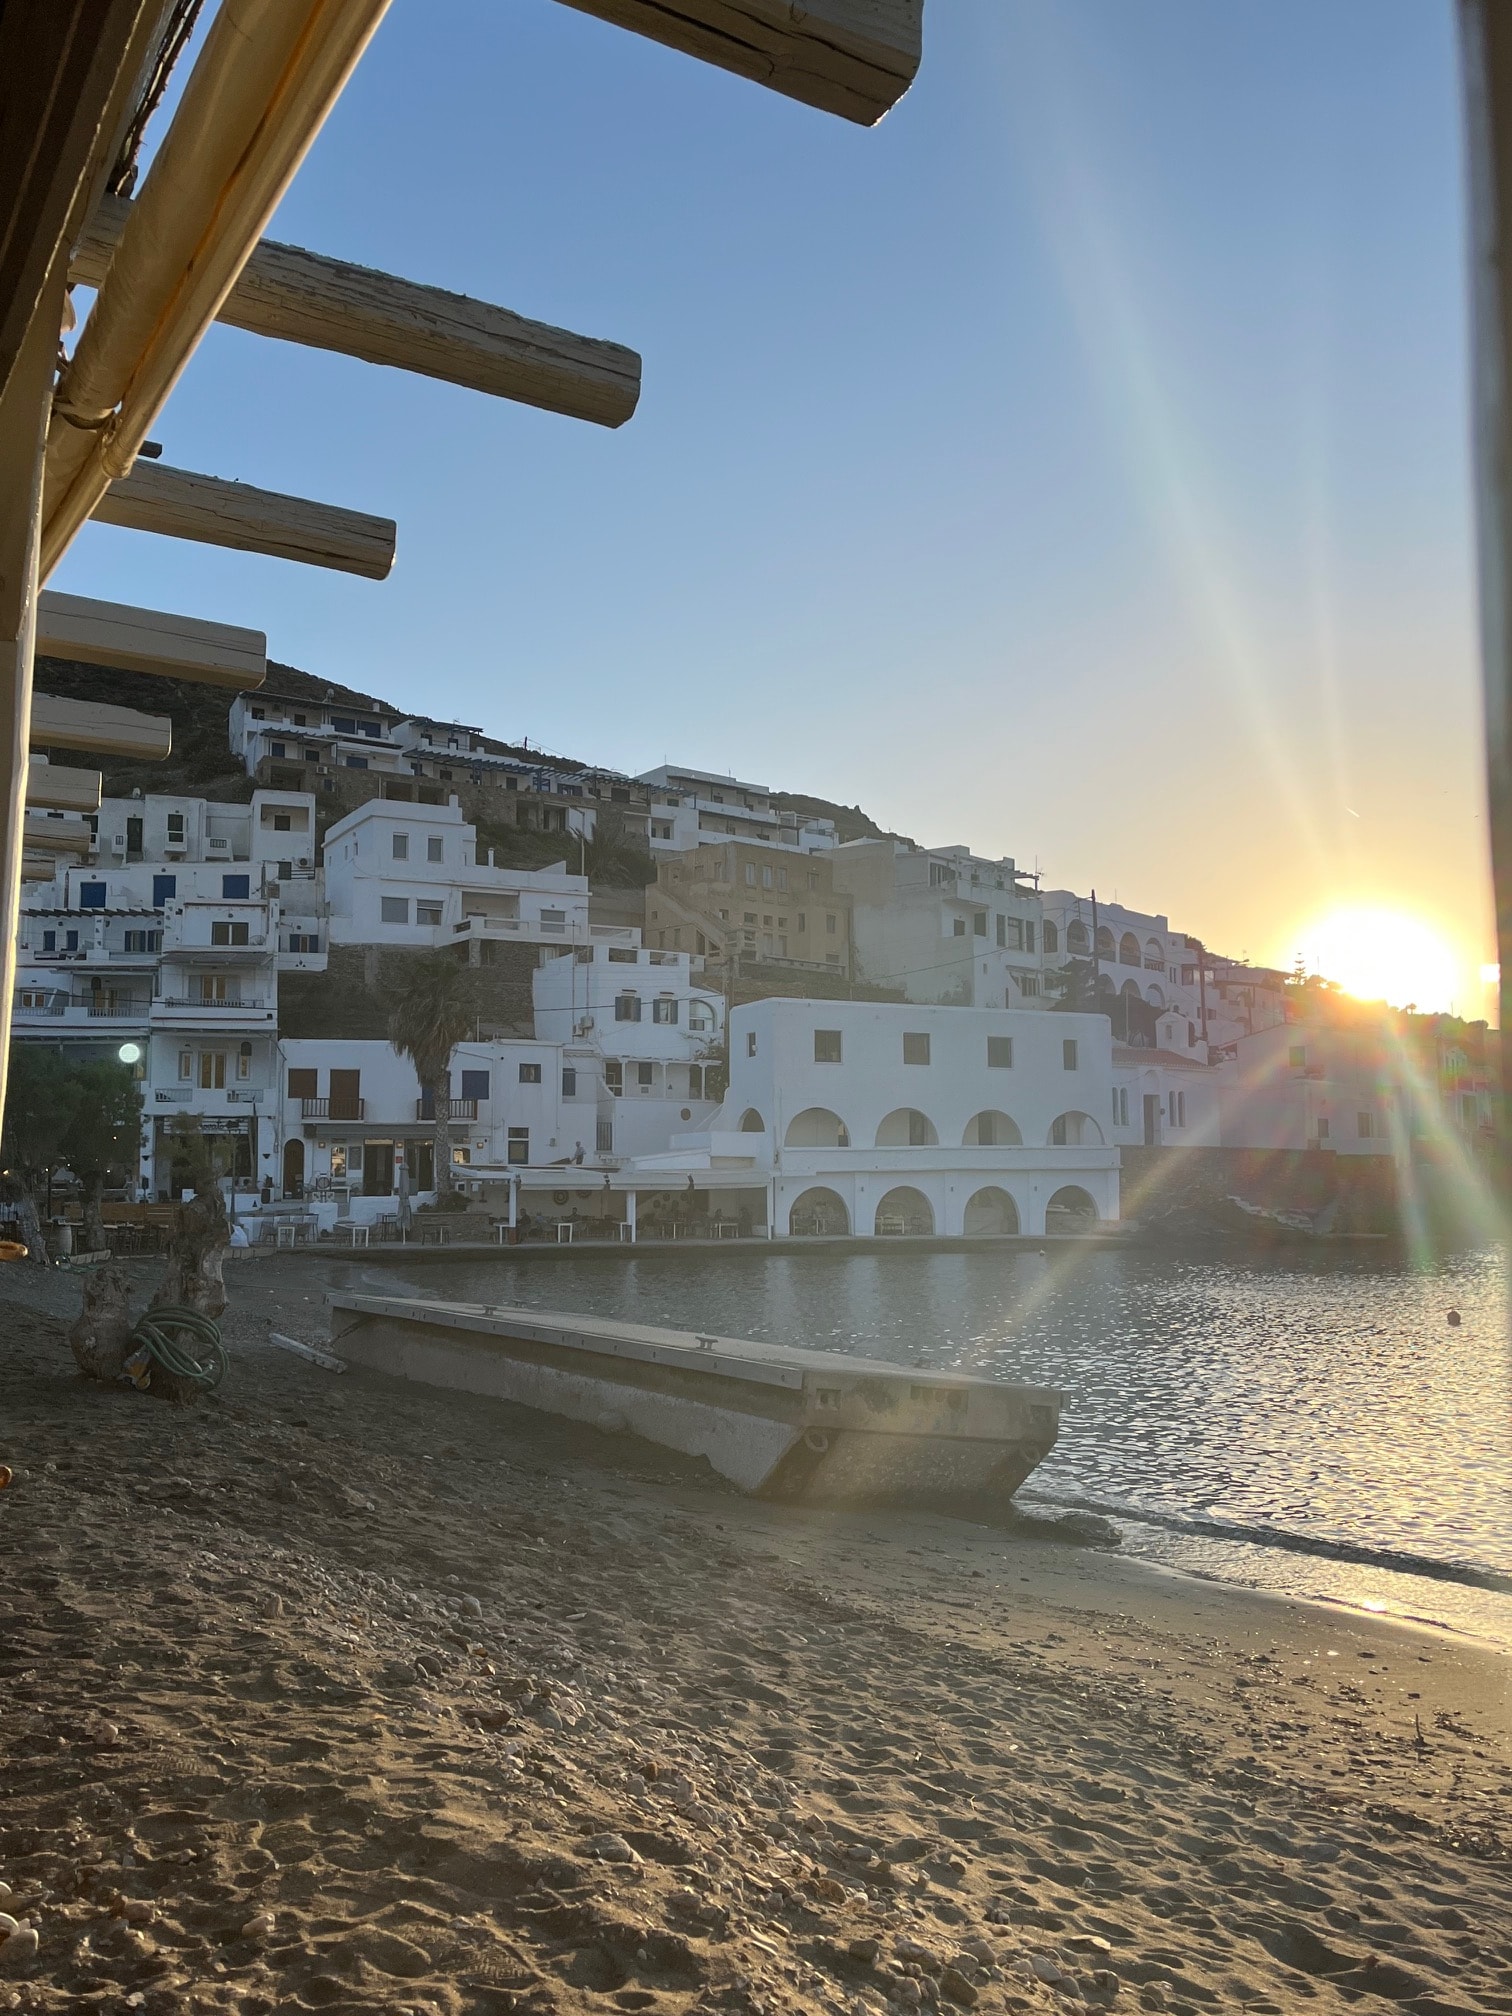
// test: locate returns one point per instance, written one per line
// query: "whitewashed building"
(879, 1120)
(399, 874)
(317, 735)
(944, 924)
(642, 1044)
(693, 808)
(1310, 1084)
(1137, 952)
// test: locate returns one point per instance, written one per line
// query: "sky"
(1074, 466)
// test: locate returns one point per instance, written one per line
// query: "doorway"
(345, 1102)
(293, 1168)
(377, 1167)
(1152, 1119)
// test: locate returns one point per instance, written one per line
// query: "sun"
(1383, 955)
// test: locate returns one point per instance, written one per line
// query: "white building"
(944, 924)
(854, 1117)
(642, 1044)
(1168, 1095)
(351, 1114)
(691, 808)
(403, 874)
(265, 726)
(1301, 1085)
(1137, 953)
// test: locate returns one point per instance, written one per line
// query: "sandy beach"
(334, 1694)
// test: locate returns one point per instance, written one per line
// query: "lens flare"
(1383, 955)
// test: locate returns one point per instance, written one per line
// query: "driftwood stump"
(101, 1335)
(192, 1278)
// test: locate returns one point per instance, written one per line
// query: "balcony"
(333, 1109)
(455, 1109)
(230, 1004)
(59, 1009)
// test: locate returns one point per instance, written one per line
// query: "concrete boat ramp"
(779, 1423)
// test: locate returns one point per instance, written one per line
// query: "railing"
(172, 1095)
(333, 1109)
(119, 1011)
(208, 1001)
(456, 1109)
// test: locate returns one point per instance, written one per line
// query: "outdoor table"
(360, 1235)
(564, 1231)
(725, 1228)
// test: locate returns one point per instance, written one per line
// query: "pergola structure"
(79, 80)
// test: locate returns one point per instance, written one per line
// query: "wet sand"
(335, 1694)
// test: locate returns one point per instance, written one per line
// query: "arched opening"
(1128, 950)
(904, 1213)
(816, 1127)
(906, 1127)
(1154, 955)
(293, 1167)
(1074, 1130)
(1131, 987)
(1076, 937)
(1052, 937)
(1070, 1210)
(1107, 947)
(700, 1016)
(1106, 987)
(751, 1122)
(819, 1213)
(992, 1130)
(1155, 995)
(990, 1214)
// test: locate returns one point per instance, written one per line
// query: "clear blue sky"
(1073, 466)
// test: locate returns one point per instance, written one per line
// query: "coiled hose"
(183, 1342)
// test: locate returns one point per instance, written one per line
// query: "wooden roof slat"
(147, 640)
(86, 724)
(183, 505)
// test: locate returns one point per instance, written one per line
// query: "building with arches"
(875, 1120)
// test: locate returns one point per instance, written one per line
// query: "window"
(645, 1075)
(920, 1134)
(304, 941)
(303, 1083)
(827, 1046)
(1176, 1108)
(91, 895)
(401, 846)
(627, 1008)
(144, 941)
(1052, 938)
(700, 1016)
(394, 909)
(664, 1009)
(49, 941)
(1297, 1056)
(748, 916)
(915, 1049)
(475, 1085)
(958, 927)
(230, 933)
(356, 762)
(212, 1070)
(282, 823)
(1002, 929)
(1366, 1125)
(604, 1137)
(750, 1042)
(518, 1146)
(175, 829)
(1068, 1054)
(186, 1065)
(614, 1076)
(782, 878)
(830, 923)
(940, 874)
(750, 874)
(1323, 1130)
(435, 847)
(802, 921)
(766, 878)
(1000, 1053)
(428, 913)
(1028, 985)
(530, 1074)
(1120, 1106)
(244, 1061)
(553, 920)
(979, 924)
(235, 888)
(569, 1081)
(259, 713)
(213, 987)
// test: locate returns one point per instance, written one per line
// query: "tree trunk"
(441, 1151)
(93, 1228)
(100, 1338)
(29, 1224)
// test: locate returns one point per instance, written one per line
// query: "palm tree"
(433, 1005)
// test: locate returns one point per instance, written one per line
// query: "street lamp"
(130, 1053)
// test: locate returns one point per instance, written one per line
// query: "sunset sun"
(1383, 955)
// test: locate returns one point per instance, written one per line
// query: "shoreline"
(335, 1693)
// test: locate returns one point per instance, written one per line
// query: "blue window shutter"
(91, 895)
(474, 1084)
(164, 889)
(235, 885)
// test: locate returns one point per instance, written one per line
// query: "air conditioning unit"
(118, 843)
(584, 1027)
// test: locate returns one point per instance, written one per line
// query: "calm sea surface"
(1318, 1429)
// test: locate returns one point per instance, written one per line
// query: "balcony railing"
(237, 1001)
(333, 1109)
(93, 1011)
(456, 1109)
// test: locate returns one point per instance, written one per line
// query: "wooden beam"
(854, 58)
(52, 787)
(144, 640)
(328, 304)
(50, 835)
(182, 505)
(113, 731)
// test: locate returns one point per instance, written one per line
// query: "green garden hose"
(183, 1342)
